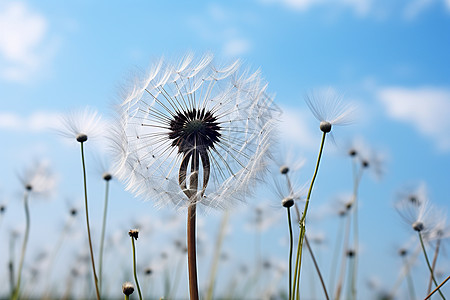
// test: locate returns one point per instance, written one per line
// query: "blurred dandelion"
(190, 121)
(37, 179)
(417, 210)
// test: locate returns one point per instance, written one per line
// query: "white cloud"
(236, 47)
(414, 8)
(24, 43)
(295, 129)
(223, 27)
(36, 122)
(360, 7)
(427, 109)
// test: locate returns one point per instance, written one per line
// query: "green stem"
(428, 263)
(24, 246)
(102, 238)
(135, 269)
(291, 246)
(87, 222)
(302, 220)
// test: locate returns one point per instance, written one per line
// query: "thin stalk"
(217, 251)
(344, 260)
(192, 253)
(433, 265)
(428, 263)
(102, 238)
(317, 268)
(357, 179)
(15, 294)
(135, 269)
(191, 228)
(87, 222)
(291, 246)
(437, 288)
(412, 294)
(302, 220)
(338, 246)
(12, 242)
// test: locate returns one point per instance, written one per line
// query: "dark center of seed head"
(81, 137)
(196, 128)
(325, 126)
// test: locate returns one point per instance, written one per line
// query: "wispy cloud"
(36, 122)
(359, 7)
(224, 28)
(295, 128)
(427, 109)
(24, 41)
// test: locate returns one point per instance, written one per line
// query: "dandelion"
(194, 133)
(39, 180)
(127, 289)
(422, 216)
(107, 176)
(134, 234)
(330, 110)
(81, 125)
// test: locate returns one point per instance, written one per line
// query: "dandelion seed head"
(39, 178)
(81, 125)
(325, 126)
(287, 202)
(134, 233)
(329, 108)
(81, 137)
(403, 252)
(416, 209)
(191, 121)
(107, 176)
(284, 169)
(127, 288)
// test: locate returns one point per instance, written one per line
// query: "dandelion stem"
(217, 252)
(437, 288)
(102, 238)
(87, 221)
(428, 263)
(291, 245)
(192, 253)
(302, 220)
(317, 268)
(337, 248)
(24, 245)
(344, 259)
(433, 265)
(356, 180)
(191, 227)
(412, 294)
(134, 268)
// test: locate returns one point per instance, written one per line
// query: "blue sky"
(389, 57)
